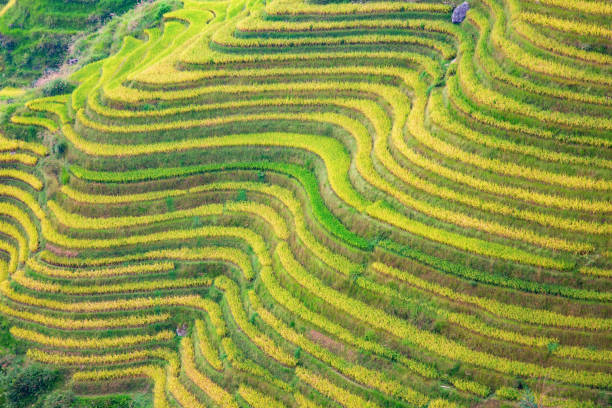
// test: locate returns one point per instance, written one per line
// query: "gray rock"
(460, 12)
(181, 331)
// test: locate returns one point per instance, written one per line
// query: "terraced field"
(323, 205)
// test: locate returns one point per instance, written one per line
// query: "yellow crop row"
(181, 394)
(492, 120)
(423, 62)
(13, 256)
(24, 197)
(297, 308)
(256, 399)
(83, 324)
(7, 7)
(20, 175)
(4, 270)
(545, 199)
(254, 208)
(58, 107)
(227, 254)
(45, 269)
(303, 402)
(14, 144)
(490, 64)
(331, 258)
(23, 158)
(570, 26)
(214, 391)
(301, 7)
(125, 287)
(441, 117)
(429, 341)
(206, 347)
(358, 373)
(589, 270)
(156, 374)
(505, 310)
(343, 188)
(254, 240)
(530, 195)
(492, 249)
(225, 37)
(474, 324)
(90, 359)
(23, 219)
(483, 95)
(13, 232)
(470, 386)
(584, 353)
(587, 6)
(256, 24)
(162, 382)
(191, 301)
(83, 197)
(327, 388)
(89, 343)
(232, 296)
(48, 124)
(512, 51)
(548, 42)
(249, 366)
(440, 403)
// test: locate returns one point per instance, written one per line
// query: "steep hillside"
(39, 36)
(323, 205)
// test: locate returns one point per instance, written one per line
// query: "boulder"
(460, 12)
(181, 331)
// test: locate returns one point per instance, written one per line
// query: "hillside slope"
(38, 37)
(323, 205)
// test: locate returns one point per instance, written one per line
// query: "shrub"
(57, 87)
(60, 399)
(162, 9)
(59, 149)
(29, 383)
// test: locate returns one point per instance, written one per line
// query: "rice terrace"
(305, 203)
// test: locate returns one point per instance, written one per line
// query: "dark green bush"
(162, 9)
(28, 384)
(59, 149)
(57, 87)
